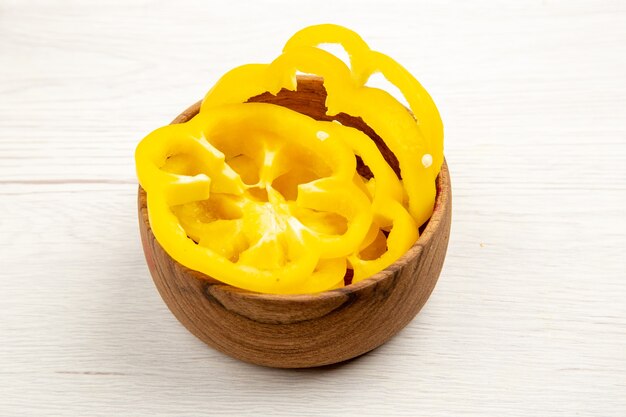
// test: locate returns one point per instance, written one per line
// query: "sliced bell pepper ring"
(364, 62)
(388, 249)
(246, 234)
(384, 183)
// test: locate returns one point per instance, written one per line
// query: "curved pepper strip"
(302, 268)
(386, 184)
(364, 62)
(402, 236)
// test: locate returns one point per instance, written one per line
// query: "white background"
(529, 316)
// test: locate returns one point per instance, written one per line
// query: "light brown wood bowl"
(299, 331)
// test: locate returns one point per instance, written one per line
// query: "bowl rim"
(442, 199)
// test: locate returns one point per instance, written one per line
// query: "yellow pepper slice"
(388, 249)
(364, 62)
(269, 200)
(247, 234)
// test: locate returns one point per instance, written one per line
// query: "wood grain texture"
(528, 316)
(305, 330)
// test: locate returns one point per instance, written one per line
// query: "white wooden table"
(529, 316)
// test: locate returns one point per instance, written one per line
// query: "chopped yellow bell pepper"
(364, 62)
(251, 235)
(267, 199)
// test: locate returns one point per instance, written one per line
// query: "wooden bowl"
(299, 331)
